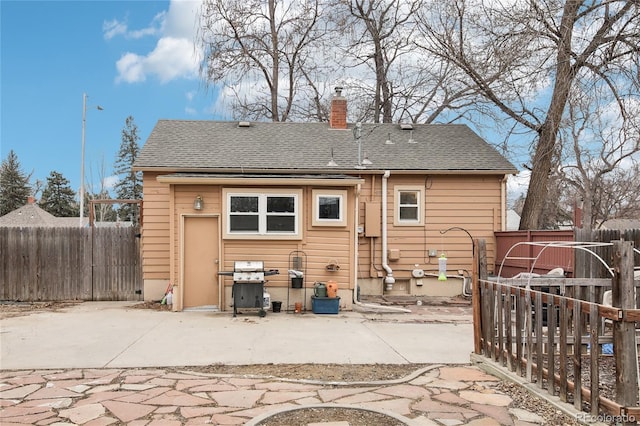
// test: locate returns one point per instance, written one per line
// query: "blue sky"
(132, 58)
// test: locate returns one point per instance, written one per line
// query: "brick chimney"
(31, 199)
(338, 118)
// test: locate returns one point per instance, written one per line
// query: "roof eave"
(260, 180)
(365, 171)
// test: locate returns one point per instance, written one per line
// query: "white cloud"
(113, 28)
(130, 68)
(156, 27)
(517, 186)
(174, 55)
(172, 58)
(181, 19)
(110, 181)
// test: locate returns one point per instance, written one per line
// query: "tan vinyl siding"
(326, 245)
(469, 202)
(155, 229)
(472, 202)
(321, 244)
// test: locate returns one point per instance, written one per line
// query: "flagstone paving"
(437, 395)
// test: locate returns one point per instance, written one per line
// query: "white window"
(262, 214)
(409, 202)
(329, 207)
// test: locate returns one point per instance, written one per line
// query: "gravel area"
(368, 372)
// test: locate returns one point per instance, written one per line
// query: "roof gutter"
(368, 171)
(262, 180)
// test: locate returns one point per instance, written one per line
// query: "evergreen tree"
(129, 186)
(58, 198)
(14, 184)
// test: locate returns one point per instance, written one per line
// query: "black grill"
(248, 285)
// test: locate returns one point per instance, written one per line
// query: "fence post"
(624, 333)
(478, 273)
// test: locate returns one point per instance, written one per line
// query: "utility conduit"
(389, 280)
(384, 256)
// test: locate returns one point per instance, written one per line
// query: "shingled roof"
(219, 146)
(31, 215)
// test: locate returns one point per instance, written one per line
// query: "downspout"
(388, 280)
(503, 203)
(355, 270)
(355, 247)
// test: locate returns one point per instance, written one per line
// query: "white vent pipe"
(388, 280)
(372, 306)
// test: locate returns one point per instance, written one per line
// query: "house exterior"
(32, 215)
(621, 224)
(366, 206)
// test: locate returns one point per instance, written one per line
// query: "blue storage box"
(325, 305)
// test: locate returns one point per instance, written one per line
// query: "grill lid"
(248, 266)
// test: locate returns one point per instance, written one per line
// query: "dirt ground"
(17, 309)
(325, 372)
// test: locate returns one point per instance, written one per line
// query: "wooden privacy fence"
(538, 329)
(587, 265)
(49, 264)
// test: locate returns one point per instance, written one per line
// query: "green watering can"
(320, 290)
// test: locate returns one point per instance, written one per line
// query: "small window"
(264, 214)
(329, 207)
(409, 201)
(409, 205)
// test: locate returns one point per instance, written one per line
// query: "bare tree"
(603, 157)
(102, 212)
(264, 53)
(388, 80)
(525, 57)
(381, 35)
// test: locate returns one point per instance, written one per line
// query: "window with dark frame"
(329, 207)
(262, 214)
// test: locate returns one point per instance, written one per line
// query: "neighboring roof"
(32, 215)
(224, 146)
(513, 220)
(27, 215)
(621, 224)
